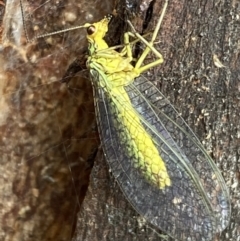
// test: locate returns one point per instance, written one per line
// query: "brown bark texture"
(47, 128)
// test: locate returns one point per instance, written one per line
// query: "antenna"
(46, 34)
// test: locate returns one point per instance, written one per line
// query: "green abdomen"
(138, 143)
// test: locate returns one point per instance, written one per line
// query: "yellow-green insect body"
(159, 163)
(115, 72)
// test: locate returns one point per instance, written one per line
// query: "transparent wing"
(196, 205)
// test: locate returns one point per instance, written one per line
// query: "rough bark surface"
(48, 128)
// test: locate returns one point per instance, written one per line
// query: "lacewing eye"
(91, 30)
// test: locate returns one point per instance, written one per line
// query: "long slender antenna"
(47, 34)
(24, 22)
(57, 32)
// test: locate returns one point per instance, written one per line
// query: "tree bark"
(46, 127)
